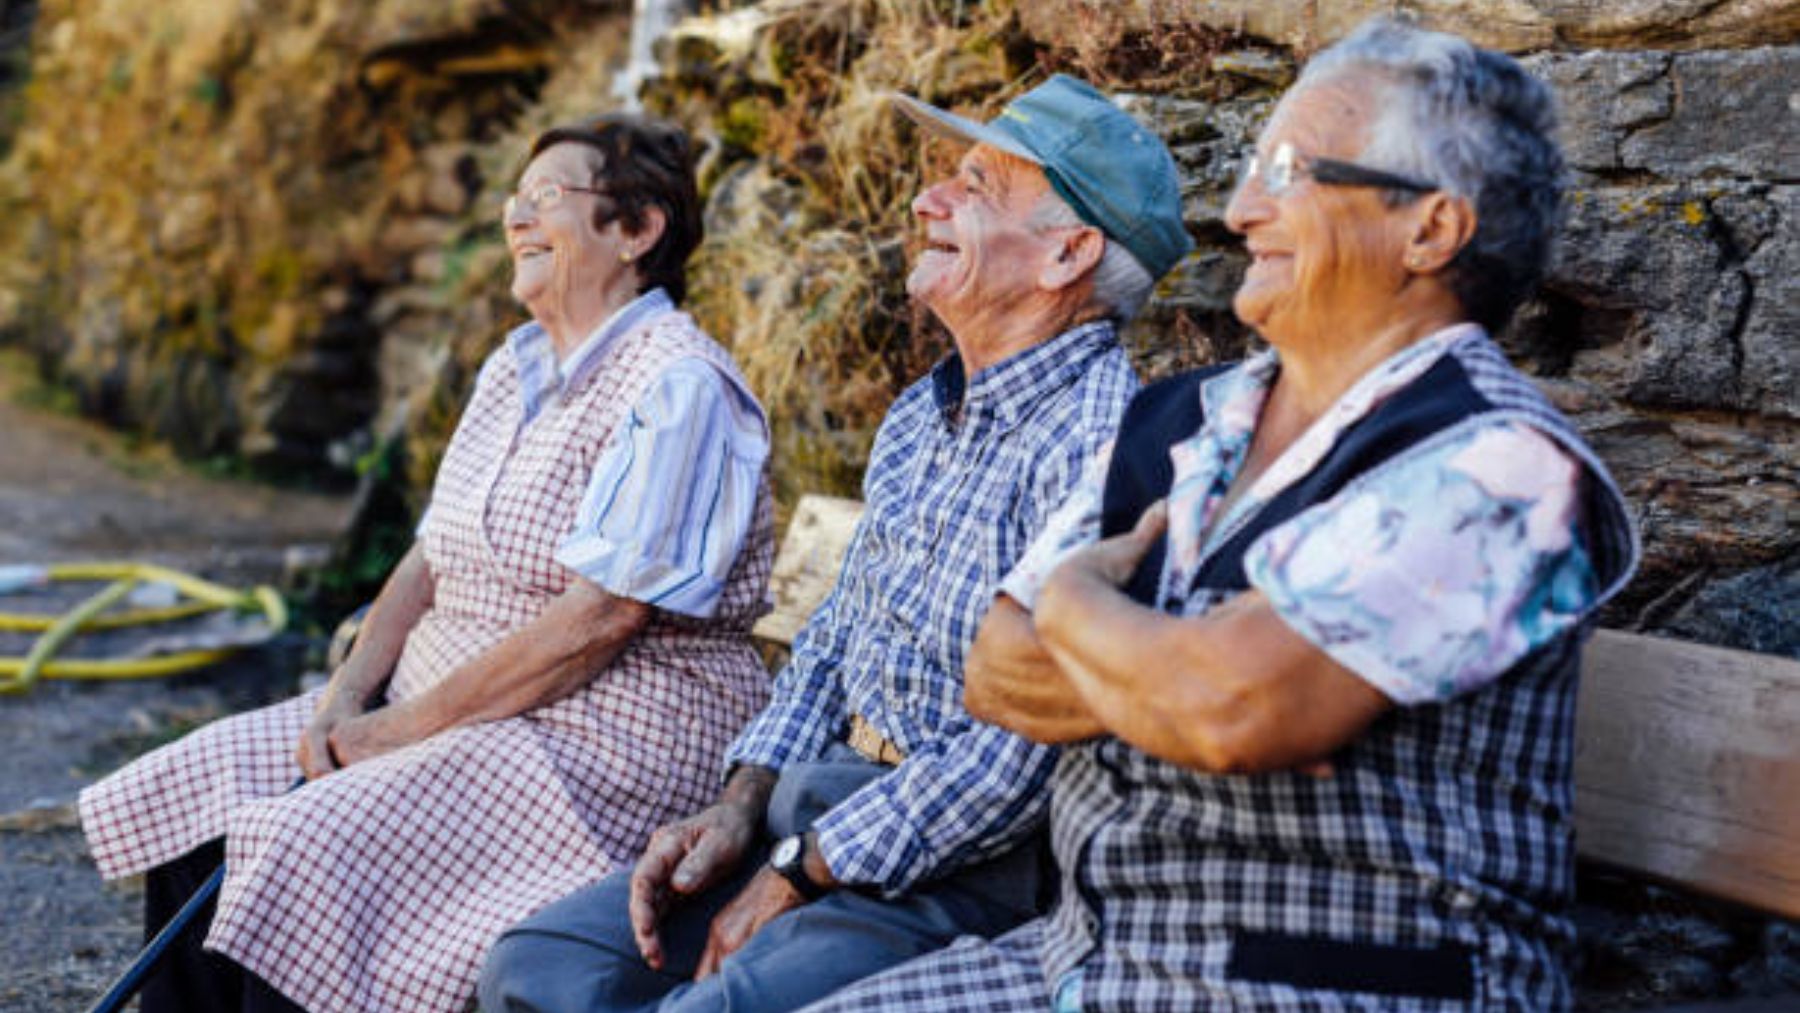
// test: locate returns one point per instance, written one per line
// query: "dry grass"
(207, 181)
(812, 174)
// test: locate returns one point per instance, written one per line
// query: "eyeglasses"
(1285, 166)
(544, 196)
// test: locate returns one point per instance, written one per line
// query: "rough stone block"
(1770, 342)
(1305, 24)
(1749, 612)
(1602, 96)
(1672, 24)
(1651, 259)
(1707, 495)
(1735, 113)
(1515, 26)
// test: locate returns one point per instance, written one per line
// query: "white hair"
(1477, 125)
(1121, 284)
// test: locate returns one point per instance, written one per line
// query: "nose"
(516, 213)
(930, 202)
(1250, 205)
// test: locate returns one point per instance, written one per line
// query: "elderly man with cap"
(866, 818)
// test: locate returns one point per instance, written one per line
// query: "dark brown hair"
(644, 163)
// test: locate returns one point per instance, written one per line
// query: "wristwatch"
(789, 859)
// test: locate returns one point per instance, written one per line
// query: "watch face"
(787, 852)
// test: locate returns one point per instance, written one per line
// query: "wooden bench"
(1687, 757)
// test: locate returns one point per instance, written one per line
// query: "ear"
(1441, 226)
(650, 233)
(1077, 252)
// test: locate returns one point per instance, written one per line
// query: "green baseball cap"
(1118, 176)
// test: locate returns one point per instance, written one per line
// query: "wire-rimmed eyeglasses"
(544, 196)
(1285, 165)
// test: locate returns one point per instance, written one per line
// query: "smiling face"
(981, 253)
(562, 264)
(1322, 256)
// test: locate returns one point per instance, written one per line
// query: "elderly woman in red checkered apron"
(553, 670)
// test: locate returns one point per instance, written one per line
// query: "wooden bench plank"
(1687, 757)
(807, 566)
(1687, 766)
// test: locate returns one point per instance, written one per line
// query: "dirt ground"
(70, 490)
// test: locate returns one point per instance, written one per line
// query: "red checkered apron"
(381, 886)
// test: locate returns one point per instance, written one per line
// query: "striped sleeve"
(673, 495)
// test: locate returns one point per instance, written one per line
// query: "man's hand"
(687, 856)
(763, 899)
(313, 752)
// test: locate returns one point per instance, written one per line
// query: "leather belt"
(872, 744)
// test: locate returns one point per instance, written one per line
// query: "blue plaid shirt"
(960, 481)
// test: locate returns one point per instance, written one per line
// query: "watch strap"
(795, 872)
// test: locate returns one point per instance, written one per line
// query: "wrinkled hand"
(1115, 559)
(313, 752)
(1009, 680)
(369, 735)
(767, 896)
(685, 858)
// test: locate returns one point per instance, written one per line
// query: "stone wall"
(269, 230)
(271, 233)
(1669, 326)
(233, 220)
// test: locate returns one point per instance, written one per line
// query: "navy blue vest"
(1169, 412)
(1445, 829)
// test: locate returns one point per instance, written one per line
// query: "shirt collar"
(1233, 399)
(1008, 389)
(1233, 402)
(542, 377)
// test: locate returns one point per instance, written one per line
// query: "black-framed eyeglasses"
(544, 196)
(1285, 166)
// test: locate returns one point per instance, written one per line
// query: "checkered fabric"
(958, 484)
(1443, 824)
(380, 887)
(999, 975)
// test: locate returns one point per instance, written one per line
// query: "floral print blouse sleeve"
(1073, 524)
(1434, 576)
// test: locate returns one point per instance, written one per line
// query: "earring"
(625, 256)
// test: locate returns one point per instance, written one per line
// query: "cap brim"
(960, 128)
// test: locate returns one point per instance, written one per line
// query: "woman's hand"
(376, 732)
(1114, 560)
(404, 598)
(313, 752)
(1010, 681)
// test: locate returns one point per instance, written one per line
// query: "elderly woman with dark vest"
(1312, 631)
(553, 671)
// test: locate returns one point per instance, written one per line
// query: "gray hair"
(1121, 284)
(1476, 124)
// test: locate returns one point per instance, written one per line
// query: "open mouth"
(525, 252)
(1263, 258)
(939, 246)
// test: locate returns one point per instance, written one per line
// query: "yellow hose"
(18, 674)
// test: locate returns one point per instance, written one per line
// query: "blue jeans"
(578, 953)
